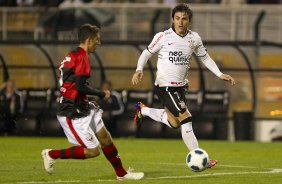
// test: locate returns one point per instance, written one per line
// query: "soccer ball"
(197, 160)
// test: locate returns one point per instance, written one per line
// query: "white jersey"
(174, 57)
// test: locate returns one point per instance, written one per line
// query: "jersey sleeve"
(156, 43)
(199, 50)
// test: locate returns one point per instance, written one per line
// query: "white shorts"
(81, 131)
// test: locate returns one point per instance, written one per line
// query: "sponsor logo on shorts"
(182, 105)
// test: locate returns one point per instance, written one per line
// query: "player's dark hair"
(87, 30)
(183, 7)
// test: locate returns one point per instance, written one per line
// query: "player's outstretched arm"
(211, 65)
(82, 87)
(137, 77)
(227, 78)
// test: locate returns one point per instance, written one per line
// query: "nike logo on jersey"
(170, 43)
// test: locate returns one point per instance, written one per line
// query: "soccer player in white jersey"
(175, 47)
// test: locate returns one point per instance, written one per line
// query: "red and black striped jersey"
(73, 103)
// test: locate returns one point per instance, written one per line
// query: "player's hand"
(227, 78)
(137, 77)
(94, 105)
(107, 94)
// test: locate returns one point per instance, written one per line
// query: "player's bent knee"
(104, 137)
(180, 120)
(186, 120)
(184, 115)
(174, 123)
(175, 126)
(106, 140)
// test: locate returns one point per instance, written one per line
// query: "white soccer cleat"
(132, 175)
(48, 161)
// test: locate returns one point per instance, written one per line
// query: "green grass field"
(162, 160)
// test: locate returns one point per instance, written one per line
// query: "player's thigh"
(78, 131)
(176, 122)
(97, 121)
(173, 121)
(98, 127)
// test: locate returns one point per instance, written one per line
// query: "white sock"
(158, 115)
(188, 136)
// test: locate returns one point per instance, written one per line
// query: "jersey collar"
(188, 31)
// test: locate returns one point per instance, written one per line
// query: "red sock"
(76, 152)
(111, 154)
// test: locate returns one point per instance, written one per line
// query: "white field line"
(217, 174)
(160, 178)
(218, 165)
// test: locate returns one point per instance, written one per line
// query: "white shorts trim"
(172, 99)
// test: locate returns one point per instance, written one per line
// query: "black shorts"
(173, 98)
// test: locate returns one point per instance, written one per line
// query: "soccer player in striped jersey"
(80, 119)
(175, 47)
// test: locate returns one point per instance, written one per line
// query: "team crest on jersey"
(63, 90)
(191, 43)
(89, 137)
